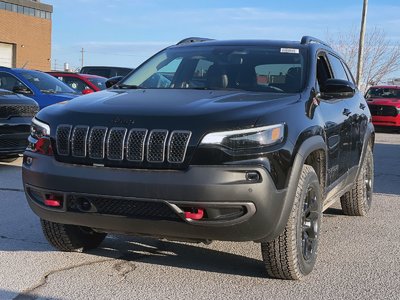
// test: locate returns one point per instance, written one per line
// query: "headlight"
(39, 140)
(247, 138)
(398, 110)
(39, 129)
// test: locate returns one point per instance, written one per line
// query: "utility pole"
(361, 44)
(82, 51)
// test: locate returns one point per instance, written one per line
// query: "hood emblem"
(123, 121)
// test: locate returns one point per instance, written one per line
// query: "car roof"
(108, 67)
(282, 43)
(72, 74)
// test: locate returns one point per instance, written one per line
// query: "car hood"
(49, 99)
(169, 109)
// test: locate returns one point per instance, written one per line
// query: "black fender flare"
(310, 145)
(369, 135)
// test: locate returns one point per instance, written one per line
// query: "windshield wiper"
(127, 86)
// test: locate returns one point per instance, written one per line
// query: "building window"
(25, 10)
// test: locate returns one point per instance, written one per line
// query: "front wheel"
(293, 253)
(71, 237)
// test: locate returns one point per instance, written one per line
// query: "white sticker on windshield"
(289, 50)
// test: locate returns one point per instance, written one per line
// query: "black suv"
(107, 72)
(208, 140)
(16, 113)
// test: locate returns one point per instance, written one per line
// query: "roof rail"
(193, 40)
(309, 39)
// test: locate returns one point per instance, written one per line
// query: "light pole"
(361, 43)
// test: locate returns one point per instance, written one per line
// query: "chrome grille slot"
(79, 141)
(156, 145)
(62, 137)
(135, 145)
(177, 146)
(115, 143)
(97, 140)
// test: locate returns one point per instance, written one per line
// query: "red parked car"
(384, 104)
(82, 83)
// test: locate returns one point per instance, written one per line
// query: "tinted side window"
(9, 82)
(337, 68)
(323, 72)
(75, 83)
(348, 72)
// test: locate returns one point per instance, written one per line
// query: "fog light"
(253, 176)
(28, 160)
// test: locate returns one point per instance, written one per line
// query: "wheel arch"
(309, 152)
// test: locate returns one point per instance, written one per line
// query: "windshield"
(383, 93)
(46, 83)
(99, 82)
(250, 68)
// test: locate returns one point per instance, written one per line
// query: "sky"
(127, 32)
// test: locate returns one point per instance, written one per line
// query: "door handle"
(346, 112)
(362, 106)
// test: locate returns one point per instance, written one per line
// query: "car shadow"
(387, 168)
(179, 255)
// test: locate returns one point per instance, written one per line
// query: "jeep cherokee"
(245, 140)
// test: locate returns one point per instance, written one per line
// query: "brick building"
(25, 34)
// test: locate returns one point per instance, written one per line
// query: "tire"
(293, 253)
(357, 201)
(71, 238)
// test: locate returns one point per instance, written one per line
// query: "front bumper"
(386, 120)
(13, 141)
(153, 202)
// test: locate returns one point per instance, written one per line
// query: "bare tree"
(381, 56)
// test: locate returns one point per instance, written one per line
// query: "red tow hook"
(51, 201)
(195, 215)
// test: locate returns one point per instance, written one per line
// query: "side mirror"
(87, 91)
(337, 89)
(113, 80)
(19, 89)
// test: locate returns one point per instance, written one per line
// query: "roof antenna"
(27, 62)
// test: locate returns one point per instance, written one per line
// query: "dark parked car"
(81, 83)
(208, 140)
(16, 113)
(104, 71)
(42, 87)
(384, 104)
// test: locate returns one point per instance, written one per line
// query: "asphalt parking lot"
(359, 257)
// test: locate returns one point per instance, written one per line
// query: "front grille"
(135, 145)
(79, 141)
(63, 135)
(156, 146)
(116, 144)
(17, 110)
(121, 207)
(19, 141)
(383, 110)
(97, 139)
(177, 146)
